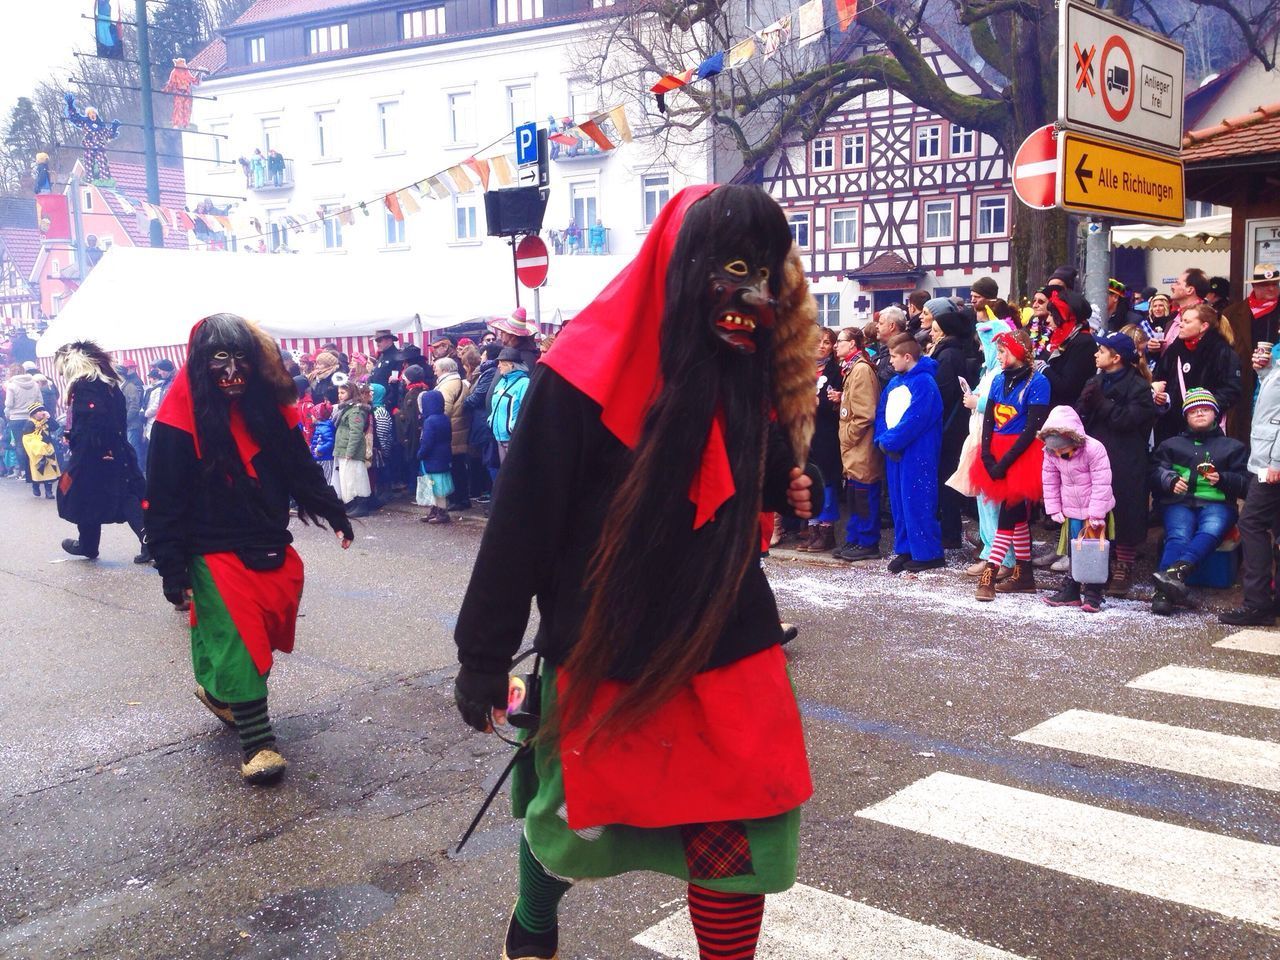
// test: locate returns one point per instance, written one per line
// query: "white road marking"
(806, 923)
(1254, 763)
(1254, 641)
(1224, 875)
(1246, 688)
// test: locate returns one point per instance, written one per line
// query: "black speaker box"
(514, 211)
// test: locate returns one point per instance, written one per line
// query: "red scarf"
(610, 353)
(1193, 342)
(1261, 308)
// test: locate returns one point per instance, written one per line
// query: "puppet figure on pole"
(97, 134)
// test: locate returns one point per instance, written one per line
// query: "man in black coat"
(386, 366)
(1119, 315)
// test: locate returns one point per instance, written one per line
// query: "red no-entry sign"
(531, 262)
(1035, 170)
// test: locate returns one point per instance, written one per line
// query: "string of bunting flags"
(804, 25)
(604, 129)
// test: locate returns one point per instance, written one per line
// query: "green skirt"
(765, 853)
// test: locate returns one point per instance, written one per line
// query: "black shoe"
(852, 552)
(144, 556)
(48, 495)
(35, 491)
(956, 544)
(899, 563)
(1247, 616)
(73, 547)
(1068, 595)
(1174, 581)
(358, 508)
(789, 632)
(1092, 600)
(520, 944)
(1161, 605)
(915, 566)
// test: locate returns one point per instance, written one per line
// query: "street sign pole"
(515, 277)
(537, 306)
(1097, 269)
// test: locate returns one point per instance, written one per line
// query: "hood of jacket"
(24, 380)
(988, 330)
(925, 367)
(1065, 422)
(433, 403)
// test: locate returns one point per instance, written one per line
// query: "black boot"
(1091, 602)
(1174, 581)
(1068, 595)
(73, 547)
(1161, 605)
(357, 508)
(144, 555)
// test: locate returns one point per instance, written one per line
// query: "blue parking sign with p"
(527, 143)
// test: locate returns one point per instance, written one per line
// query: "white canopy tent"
(1197, 235)
(138, 298)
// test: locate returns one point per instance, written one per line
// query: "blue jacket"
(914, 401)
(435, 450)
(322, 440)
(504, 405)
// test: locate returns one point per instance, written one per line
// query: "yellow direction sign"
(1115, 180)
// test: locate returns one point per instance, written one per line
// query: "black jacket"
(549, 507)
(1119, 413)
(825, 449)
(190, 512)
(1189, 449)
(884, 365)
(387, 363)
(1069, 367)
(477, 401)
(1213, 364)
(956, 357)
(103, 483)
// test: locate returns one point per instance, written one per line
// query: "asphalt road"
(932, 832)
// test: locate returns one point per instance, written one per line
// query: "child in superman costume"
(628, 507)
(226, 456)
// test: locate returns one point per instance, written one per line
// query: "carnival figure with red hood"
(673, 410)
(226, 456)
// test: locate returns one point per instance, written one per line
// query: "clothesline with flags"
(604, 129)
(804, 25)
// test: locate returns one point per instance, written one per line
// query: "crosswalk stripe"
(1254, 763)
(1246, 688)
(1224, 875)
(1254, 641)
(806, 923)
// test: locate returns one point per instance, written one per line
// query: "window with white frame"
(519, 104)
(218, 136)
(584, 198)
(824, 153)
(601, 4)
(465, 217)
(332, 227)
(271, 137)
(855, 150)
(657, 191)
(423, 22)
(517, 11)
(844, 227)
(993, 216)
(462, 117)
(961, 141)
(583, 101)
(395, 230)
(389, 126)
(799, 228)
(828, 309)
(326, 134)
(939, 220)
(929, 142)
(328, 38)
(257, 49)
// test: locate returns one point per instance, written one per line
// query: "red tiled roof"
(23, 245)
(279, 9)
(886, 263)
(131, 180)
(1250, 135)
(212, 58)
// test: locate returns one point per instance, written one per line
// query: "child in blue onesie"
(909, 433)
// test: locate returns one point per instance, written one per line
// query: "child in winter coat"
(383, 427)
(350, 450)
(1076, 476)
(1198, 475)
(1117, 410)
(322, 431)
(909, 434)
(37, 442)
(435, 459)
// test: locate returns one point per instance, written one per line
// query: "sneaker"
(223, 712)
(1068, 595)
(853, 553)
(1161, 605)
(1173, 582)
(899, 562)
(915, 566)
(520, 944)
(144, 556)
(1247, 616)
(263, 767)
(1092, 602)
(1061, 565)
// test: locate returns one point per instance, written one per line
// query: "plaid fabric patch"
(714, 851)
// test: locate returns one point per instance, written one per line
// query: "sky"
(43, 45)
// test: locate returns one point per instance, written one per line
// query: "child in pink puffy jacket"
(1077, 493)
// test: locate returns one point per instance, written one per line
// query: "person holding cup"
(1201, 356)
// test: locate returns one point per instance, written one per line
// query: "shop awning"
(1205, 233)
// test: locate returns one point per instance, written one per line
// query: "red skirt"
(727, 746)
(1022, 482)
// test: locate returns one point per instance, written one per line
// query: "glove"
(175, 590)
(344, 527)
(477, 694)
(1090, 396)
(997, 470)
